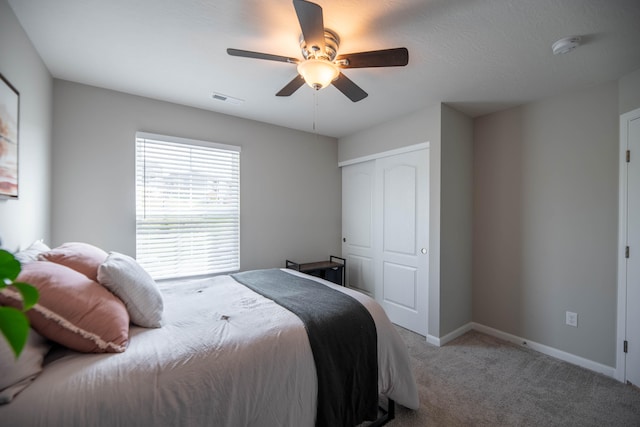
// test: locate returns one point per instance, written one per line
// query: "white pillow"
(18, 374)
(31, 253)
(127, 280)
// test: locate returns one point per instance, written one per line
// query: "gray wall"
(290, 181)
(421, 126)
(629, 92)
(24, 220)
(545, 221)
(450, 171)
(544, 185)
(456, 201)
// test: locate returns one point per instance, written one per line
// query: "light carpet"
(479, 380)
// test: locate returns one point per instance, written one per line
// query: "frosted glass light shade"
(318, 73)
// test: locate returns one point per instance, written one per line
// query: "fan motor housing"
(331, 45)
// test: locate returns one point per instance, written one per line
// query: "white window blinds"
(187, 206)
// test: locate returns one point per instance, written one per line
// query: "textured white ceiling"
(479, 56)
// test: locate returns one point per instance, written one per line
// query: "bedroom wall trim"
(388, 153)
(622, 330)
(622, 242)
(544, 349)
(450, 336)
(541, 348)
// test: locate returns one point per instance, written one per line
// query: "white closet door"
(357, 225)
(402, 234)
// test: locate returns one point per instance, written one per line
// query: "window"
(187, 206)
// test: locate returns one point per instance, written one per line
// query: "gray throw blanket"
(343, 340)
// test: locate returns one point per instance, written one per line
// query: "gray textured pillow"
(127, 280)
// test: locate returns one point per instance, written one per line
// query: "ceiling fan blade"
(397, 57)
(349, 88)
(260, 55)
(292, 86)
(311, 23)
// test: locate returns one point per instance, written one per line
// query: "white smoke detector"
(565, 45)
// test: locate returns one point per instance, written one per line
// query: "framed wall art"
(9, 112)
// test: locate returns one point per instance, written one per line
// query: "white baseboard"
(433, 340)
(544, 349)
(450, 336)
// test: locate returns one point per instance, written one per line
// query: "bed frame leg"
(387, 415)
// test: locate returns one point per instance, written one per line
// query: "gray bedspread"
(343, 339)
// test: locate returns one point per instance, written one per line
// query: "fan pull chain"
(315, 111)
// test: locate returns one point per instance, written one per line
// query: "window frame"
(234, 176)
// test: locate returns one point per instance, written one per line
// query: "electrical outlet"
(572, 319)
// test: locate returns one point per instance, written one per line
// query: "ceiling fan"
(321, 64)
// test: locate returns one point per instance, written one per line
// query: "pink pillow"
(73, 310)
(81, 257)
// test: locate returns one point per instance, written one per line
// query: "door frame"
(620, 371)
(382, 154)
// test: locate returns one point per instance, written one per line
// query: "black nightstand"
(332, 270)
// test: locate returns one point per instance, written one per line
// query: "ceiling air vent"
(227, 99)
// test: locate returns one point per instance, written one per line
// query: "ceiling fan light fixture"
(321, 66)
(318, 73)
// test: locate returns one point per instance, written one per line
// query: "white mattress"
(225, 356)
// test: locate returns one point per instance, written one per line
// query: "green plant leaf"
(9, 266)
(29, 294)
(15, 328)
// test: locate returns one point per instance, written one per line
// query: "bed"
(224, 355)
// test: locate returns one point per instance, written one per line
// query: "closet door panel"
(399, 195)
(404, 293)
(402, 227)
(357, 225)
